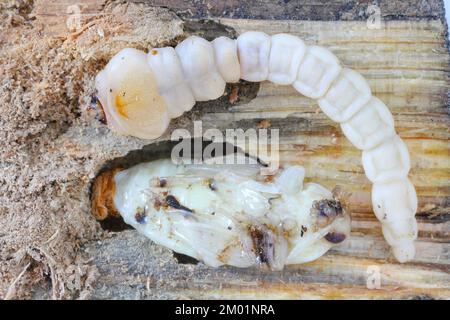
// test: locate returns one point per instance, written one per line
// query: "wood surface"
(406, 62)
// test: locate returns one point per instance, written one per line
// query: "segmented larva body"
(141, 92)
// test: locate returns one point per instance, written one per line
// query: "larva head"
(128, 93)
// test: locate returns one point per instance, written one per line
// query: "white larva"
(317, 72)
(387, 161)
(170, 80)
(346, 96)
(227, 60)
(140, 94)
(369, 126)
(253, 50)
(199, 68)
(229, 214)
(286, 54)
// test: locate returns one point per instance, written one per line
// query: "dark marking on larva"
(171, 201)
(141, 215)
(335, 237)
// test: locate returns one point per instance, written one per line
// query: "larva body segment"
(390, 198)
(346, 96)
(370, 126)
(199, 68)
(387, 161)
(317, 71)
(253, 51)
(140, 93)
(286, 54)
(169, 76)
(227, 61)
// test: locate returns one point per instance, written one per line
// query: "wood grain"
(342, 10)
(407, 66)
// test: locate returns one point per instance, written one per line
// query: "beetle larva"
(140, 95)
(225, 214)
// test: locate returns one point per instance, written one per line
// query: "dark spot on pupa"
(110, 90)
(141, 215)
(212, 184)
(329, 208)
(229, 228)
(171, 201)
(326, 211)
(303, 230)
(262, 243)
(335, 237)
(157, 204)
(162, 182)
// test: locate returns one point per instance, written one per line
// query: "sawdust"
(52, 143)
